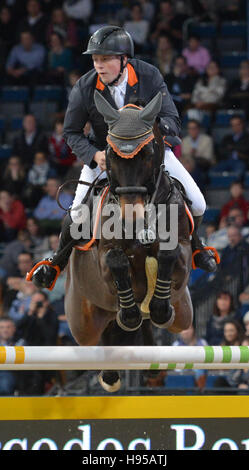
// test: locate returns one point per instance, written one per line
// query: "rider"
(120, 78)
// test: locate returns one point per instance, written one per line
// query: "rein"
(91, 186)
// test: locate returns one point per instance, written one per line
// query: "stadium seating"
(13, 100)
(174, 381)
(211, 215)
(5, 151)
(221, 179)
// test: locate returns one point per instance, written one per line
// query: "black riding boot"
(203, 258)
(45, 275)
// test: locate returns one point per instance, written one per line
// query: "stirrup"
(205, 248)
(45, 262)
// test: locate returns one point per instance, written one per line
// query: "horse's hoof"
(109, 381)
(164, 324)
(131, 324)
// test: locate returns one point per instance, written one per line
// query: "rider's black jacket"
(144, 82)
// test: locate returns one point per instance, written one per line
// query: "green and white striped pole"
(123, 357)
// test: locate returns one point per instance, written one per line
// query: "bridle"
(150, 189)
(152, 186)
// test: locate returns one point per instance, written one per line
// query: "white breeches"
(172, 165)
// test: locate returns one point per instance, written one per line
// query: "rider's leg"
(203, 259)
(88, 175)
(44, 275)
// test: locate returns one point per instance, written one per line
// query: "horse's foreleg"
(129, 317)
(161, 311)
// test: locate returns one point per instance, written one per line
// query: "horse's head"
(132, 157)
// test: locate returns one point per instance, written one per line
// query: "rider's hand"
(99, 158)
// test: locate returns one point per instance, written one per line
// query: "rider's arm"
(169, 121)
(75, 120)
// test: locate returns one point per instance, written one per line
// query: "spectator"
(39, 324)
(188, 338)
(190, 165)
(204, 10)
(7, 30)
(148, 10)
(234, 147)
(40, 170)
(12, 216)
(53, 243)
(199, 146)
(73, 77)
(56, 295)
(231, 10)
(210, 228)
(239, 378)
(25, 62)
(8, 378)
(39, 327)
(237, 200)
(21, 303)
(237, 95)
(48, 211)
(30, 140)
(235, 217)
(64, 334)
(35, 21)
(61, 155)
(36, 179)
(15, 284)
(63, 26)
(138, 28)
(219, 238)
(209, 89)
(165, 54)
(244, 305)
(166, 21)
(13, 179)
(60, 60)
(233, 333)
(234, 336)
(180, 83)
(223, 312)
(236, 253)
(78, 9)
(9, 259)
(246, 324)
(39, 243)
(197, 56)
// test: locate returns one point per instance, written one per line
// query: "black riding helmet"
(110, 40)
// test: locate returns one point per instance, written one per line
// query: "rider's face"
(107, 66)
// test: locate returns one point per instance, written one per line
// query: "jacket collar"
(132, 79)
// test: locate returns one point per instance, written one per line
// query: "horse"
(120, 286)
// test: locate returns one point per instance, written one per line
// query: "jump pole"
(123, 357)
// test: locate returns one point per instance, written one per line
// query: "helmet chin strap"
(115, 81)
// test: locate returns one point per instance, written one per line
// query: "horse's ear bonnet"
(130, 127)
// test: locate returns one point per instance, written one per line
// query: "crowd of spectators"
(40, 45)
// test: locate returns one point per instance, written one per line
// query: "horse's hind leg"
(115, 336)
(183, 313)
(87, 322)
